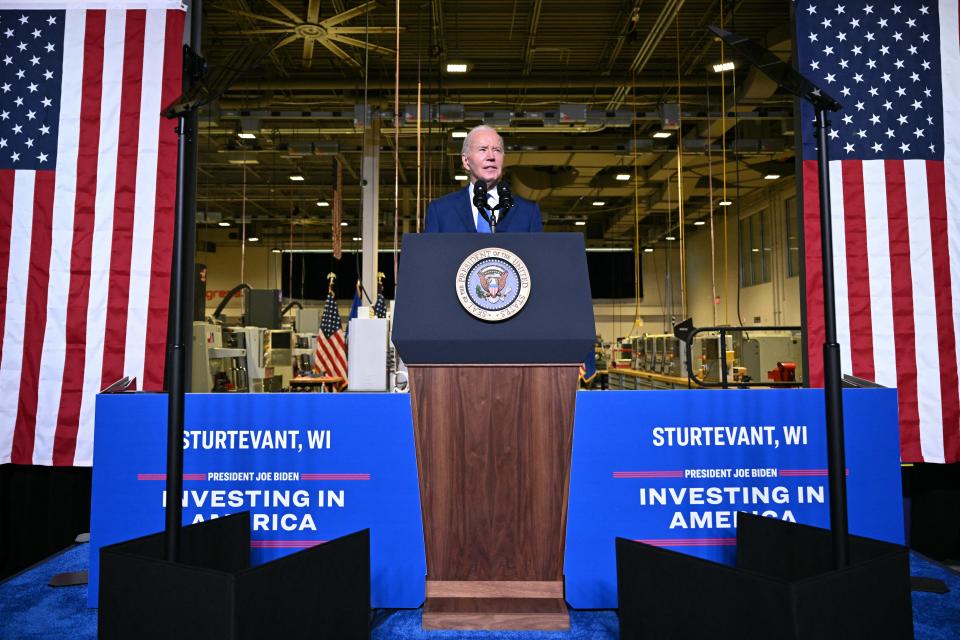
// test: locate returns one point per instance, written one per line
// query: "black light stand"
(789, 80)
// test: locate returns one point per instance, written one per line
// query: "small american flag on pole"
(87, 183)
(330, 354)
(895, 203)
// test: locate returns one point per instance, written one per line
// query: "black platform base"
(321, 593)
(783, 586)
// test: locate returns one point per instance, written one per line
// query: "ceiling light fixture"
(662, 134)
(323, 203)
(460, 177)
(598, 203)
(223, 224)
(670, 238)
(296, 178)
(720, 67)
(458, 134)
(457, 67)
(699, 223)
(253, 239)
(275, 251)
(356, 239)
(243, 161)
(771, 176)
(344, 224)
(725, 203)
(648, 250)
(580, 223)
(623, 177)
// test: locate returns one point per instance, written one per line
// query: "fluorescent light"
(243, 161)
(580, 223)
(771, 176)
(755, 250)
(623, 177)
(670, 238)
(458, 134)
(648, 250)
(253, 239)
(275, 251)
(223, 224)
(322, 203)
(720, 67)
(598, 203)
(662, 134)
(456, 67)
(246, 136)
(725, 203)
(460, 177)
(296, 177)
(699, 223)
(344, 224)
(358, 239)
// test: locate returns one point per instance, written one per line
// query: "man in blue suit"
(482, 158)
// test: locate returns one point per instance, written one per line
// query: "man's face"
(484, 159)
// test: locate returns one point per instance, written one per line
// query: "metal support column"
(369, 224)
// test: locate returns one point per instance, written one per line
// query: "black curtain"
(42, 510)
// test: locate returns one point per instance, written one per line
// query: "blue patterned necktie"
(482, 225)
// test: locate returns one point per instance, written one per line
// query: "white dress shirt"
(492, 201)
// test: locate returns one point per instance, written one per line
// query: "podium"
(493, 408)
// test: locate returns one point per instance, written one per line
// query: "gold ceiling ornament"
(325, 32)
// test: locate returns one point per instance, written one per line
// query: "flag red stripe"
(858, 271)
(940, 245)
(118, 296)
(6, 219)
(901, 287)
(36, 313)
(816, 334)
(156, 340)
(76, 330)
(331, 354)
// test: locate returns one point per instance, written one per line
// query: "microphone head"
(480, 194)
(506, 196)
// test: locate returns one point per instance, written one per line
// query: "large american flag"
(330, 354)
(87, 182)
(895, 184)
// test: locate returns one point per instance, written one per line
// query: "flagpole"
(836, 456)
(181, 286)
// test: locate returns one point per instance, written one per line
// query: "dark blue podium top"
(555, 326)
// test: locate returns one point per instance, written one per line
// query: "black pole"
(181, 294)
(831, 361)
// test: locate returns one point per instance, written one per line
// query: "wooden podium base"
(493, 456)
(500, 614)
(496, 605)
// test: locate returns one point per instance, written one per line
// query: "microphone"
(480, 202)
(480, 194)
(506, 198)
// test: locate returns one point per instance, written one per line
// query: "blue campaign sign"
(672, 468)
(309, 467)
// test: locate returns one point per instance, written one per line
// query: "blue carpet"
(29, 610)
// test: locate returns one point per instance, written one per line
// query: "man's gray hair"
(476, 129)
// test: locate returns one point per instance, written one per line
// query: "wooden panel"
(494, 589)
(493, 453)
(544, 614)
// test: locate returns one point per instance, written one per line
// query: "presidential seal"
(493, 284)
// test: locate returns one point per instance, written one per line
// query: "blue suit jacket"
(452, 214)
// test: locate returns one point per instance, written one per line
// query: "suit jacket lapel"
(465, 211)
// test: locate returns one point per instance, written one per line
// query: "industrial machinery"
(279, 354)
(639, 353)
(258, 372)
(214, 366)
(708, 353)
(762, 352)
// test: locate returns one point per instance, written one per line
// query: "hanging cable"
(723, 152)
(396, 150)
(683, 247)
(713, 257)
(637, 326)
(243, 219)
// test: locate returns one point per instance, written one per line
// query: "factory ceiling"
(577, 89)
